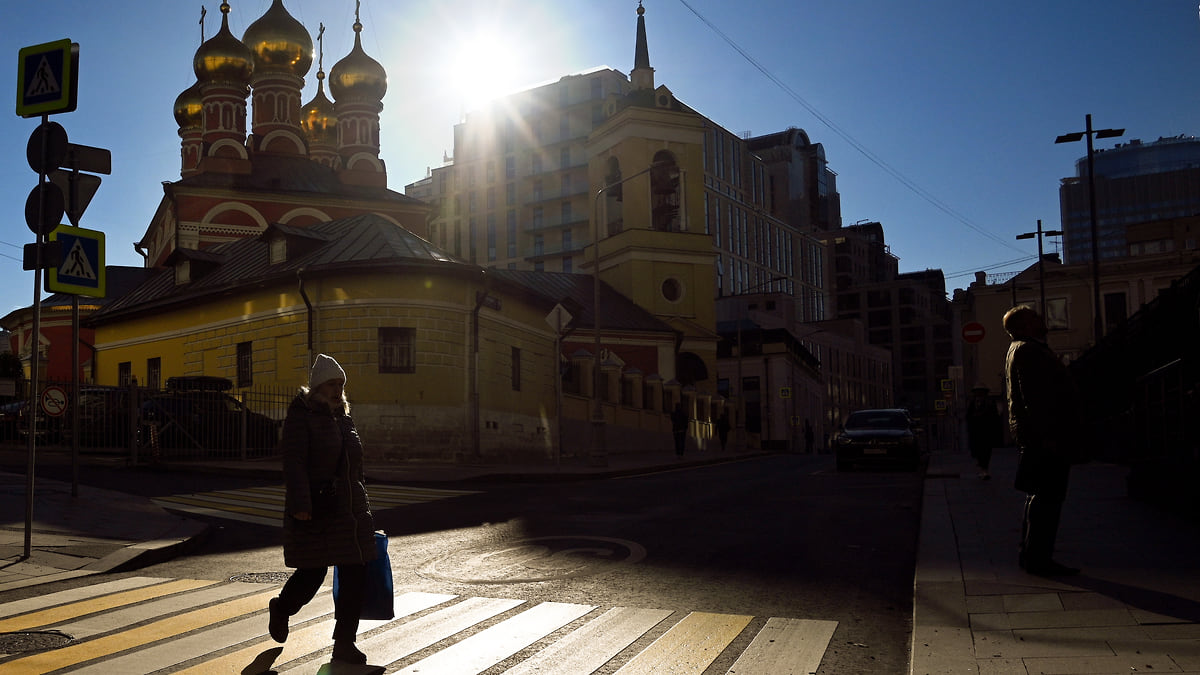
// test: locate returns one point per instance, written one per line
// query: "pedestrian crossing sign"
(47, 78)
(81, 270)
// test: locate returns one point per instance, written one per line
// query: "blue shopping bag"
(377, 596)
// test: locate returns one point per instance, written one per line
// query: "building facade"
(1136, 183)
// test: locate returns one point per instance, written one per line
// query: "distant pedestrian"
(1044, 416)
(327, 520)
(984, 430)
(808, 437)
(679, 425)
(723, 429)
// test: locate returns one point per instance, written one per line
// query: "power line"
(866, 152)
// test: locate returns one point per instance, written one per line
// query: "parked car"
(883, 437)
(205, 419)
(106, 416)
(14, 424)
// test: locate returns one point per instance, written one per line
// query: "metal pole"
(1098, 322)
(1041, 272)
(35, 352)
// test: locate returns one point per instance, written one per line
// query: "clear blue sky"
(939, 117)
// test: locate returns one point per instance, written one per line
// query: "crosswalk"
(264, 505)
(157, 625)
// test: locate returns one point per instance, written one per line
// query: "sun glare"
(485, 65)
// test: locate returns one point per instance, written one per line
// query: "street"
(763, 540)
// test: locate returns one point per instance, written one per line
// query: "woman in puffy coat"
(327, 519)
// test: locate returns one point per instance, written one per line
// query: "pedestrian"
(1044, 416)
(808, 437)
(327, 520)
(983, 428)
(723, 429)
(679, 424)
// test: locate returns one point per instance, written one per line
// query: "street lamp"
(1088, 132)
(1041, 267)
(599, 453)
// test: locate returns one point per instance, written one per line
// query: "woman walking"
(327, 520)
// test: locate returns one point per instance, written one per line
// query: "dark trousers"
(1039, 529)
(982, 453)
(680, 441)
(304, 583)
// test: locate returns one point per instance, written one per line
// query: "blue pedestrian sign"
(47, 78)
(81, 271)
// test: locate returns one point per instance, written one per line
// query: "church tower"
(223, 67)
(358, 84)
(282, 51)
(647, 158)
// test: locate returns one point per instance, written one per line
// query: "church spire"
(642, 75)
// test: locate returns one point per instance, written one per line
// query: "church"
(281, 240)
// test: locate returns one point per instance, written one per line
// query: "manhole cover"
(261, 577)
(532, 560)
(33, 641)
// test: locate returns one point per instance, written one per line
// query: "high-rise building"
(518, 193)
(1136, 183)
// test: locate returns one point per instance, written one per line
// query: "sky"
(939, 117)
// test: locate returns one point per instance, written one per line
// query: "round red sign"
(973, 332)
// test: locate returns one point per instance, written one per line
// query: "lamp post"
(1041, 265)
(599, 451)
(1088, 133)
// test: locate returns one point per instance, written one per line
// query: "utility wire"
(866, 152)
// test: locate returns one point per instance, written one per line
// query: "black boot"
(278, 624)
(346, 652)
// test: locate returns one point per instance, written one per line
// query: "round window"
(672, 290)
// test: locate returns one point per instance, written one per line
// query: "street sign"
(47, 147)
(47, 78)
(54, 400)
(973, 332)
(81, 271)
(44, 208)
(78, 190)
(785, 392)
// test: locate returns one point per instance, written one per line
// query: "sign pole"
(35, 355)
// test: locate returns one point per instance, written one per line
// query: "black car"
(205, 420)
(884, 437)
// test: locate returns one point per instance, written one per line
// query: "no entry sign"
(973, 332)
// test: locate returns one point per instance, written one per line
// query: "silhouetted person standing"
(983, 429)
(679, 423)
(1043, 414)
(723, 429)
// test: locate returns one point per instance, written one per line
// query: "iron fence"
(152, 424)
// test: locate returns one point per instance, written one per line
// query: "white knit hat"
(324, 369)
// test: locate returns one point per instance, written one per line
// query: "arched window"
(664, 192)
(614, 198)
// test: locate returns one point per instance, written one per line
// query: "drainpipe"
(473, 369)
(308, 304)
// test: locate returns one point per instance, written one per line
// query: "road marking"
(690, 645)
(148, 624)
(264, 506)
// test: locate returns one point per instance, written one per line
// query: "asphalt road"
(779, 536)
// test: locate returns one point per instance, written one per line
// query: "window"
(245, 364)
(564, 157)
(124, 373)
(567, 241)
(1056, 314)
(516, 369)
(491, 237)
(397, 350)
(1114, 311)
(154, 373)
(568, 265)
(511, 230)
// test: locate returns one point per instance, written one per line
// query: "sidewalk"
(1134, 608)
(105, 531)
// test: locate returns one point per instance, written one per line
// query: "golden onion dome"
(317, 118)
(357, 76)
(223, 58)
(189, 111)
(279, 42)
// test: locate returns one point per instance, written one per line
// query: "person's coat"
(1044, 417)
(321, 448)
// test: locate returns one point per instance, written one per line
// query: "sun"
(484, 64)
